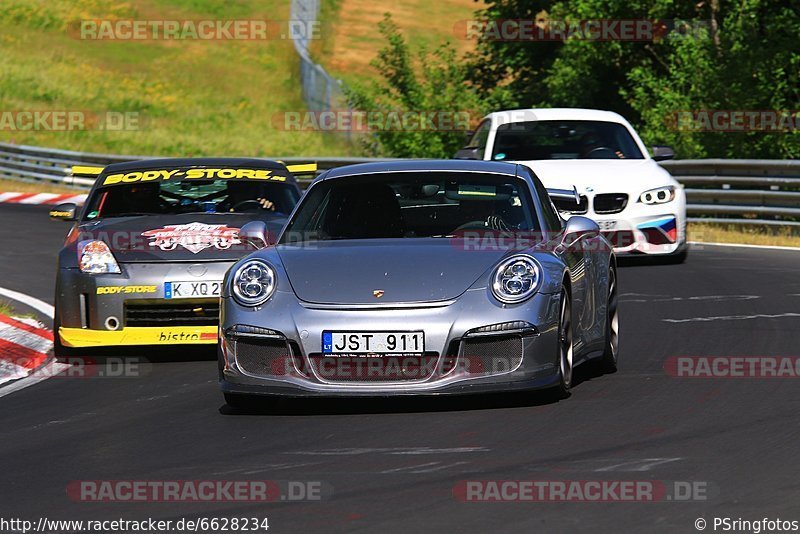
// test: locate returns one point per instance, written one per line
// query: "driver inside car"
(244, 196)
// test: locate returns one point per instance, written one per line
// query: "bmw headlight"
(660, 195)
(94, 257)
(253, 283)
(516, 279)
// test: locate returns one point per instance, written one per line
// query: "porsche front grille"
(488, 355)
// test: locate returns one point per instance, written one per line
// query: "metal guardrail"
(755, 191)
(717, 190)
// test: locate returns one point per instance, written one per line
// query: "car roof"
(170, 163)
(554, 114)
(433, 165)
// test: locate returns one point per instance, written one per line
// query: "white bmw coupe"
(639, 206)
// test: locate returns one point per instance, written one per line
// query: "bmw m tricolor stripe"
(666, 225)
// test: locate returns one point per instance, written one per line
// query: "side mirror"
(473, 152)
(661, 152)
(64, 212)
(256, 234)
(579, 227)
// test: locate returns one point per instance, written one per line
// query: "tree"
(738, 55)
(432, 85)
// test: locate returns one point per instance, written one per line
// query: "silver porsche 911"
(423, 277)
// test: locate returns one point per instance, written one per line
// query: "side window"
(552, 220)
(481, 136)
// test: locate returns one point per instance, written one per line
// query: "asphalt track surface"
(391, 466)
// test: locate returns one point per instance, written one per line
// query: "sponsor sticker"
(192, 174)
(125, 290)
(194, 237)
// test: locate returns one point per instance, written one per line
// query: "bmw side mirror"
(255, 234)
(579, 227)
(661, 152)
(64, 212)
(473, 152)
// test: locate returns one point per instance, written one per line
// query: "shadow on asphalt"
(152, 355)
(646, 261)
(407, 404)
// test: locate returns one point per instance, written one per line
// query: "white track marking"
(34, 303)
(393, 450)
(715, 298)
(769, 247)
(733, 318)
(645, 464)
(51, 369)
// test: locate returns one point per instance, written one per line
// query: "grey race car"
(144, 261)
(423, 277)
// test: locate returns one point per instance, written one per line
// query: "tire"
(678, 257)
(611, 350)
(565, 346)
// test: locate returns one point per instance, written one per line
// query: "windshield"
(193, 196)
(411, 205)
(538, 140)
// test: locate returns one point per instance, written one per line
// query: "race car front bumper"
(176, 335)
(137, 306)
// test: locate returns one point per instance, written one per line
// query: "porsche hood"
(379, 272)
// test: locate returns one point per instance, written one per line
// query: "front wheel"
(565, 349)
(611, 351)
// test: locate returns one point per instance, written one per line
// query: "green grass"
(12, 186)
(7, 309)
(744, 235)
(193, 98)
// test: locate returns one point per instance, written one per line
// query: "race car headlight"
(94, 257)
(660, 195)
(516, 279)
(253, 283)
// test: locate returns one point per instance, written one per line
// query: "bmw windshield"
(542, 140)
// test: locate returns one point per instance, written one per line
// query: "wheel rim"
(613, 316)
(565, 342)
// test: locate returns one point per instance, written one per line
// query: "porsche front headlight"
(94, 257)
(516, 279)
(253, 283)
(659, 195)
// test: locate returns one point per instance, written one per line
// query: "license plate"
(607, 225)
(192, 289)
(373, 342)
